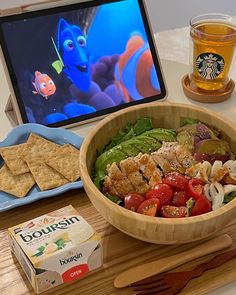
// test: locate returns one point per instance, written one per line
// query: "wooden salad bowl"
(154, 229)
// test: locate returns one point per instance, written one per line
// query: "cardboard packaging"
(56, 248)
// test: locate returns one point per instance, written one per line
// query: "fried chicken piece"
(149, 169)
(114, 172)
(137, 180)
(140, 173)
(123, 186)
(129, 165)
(184, 156)
(178, 157)
(219, 174)
(167, 151)
(109, 187)
(131, 168)
(162, 163)
(117, 182)
(193, 171)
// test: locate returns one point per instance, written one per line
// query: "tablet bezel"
(17, 101)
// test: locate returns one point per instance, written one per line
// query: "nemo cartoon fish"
(135, 74)
(43, 85)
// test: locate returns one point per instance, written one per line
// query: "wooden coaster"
(204, 96)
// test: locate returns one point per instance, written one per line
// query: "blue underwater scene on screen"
(82, 61)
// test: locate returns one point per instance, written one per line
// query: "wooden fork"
(172, 283)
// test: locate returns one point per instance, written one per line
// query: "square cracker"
(66, 162)
(38, 147)
(17, 185)
(12, 157)
(45, 176)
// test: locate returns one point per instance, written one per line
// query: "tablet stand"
(10, 112)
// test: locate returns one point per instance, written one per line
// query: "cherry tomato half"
(174, 212)
(202, 205)
(180, 198)
(176, 180)
(161, 191)
(195, 188)
(149, 207)
(133, 200)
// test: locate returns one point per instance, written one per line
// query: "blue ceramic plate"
(20, 135)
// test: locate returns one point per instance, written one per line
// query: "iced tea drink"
(213, 40)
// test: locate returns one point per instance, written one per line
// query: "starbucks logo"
(210, 65)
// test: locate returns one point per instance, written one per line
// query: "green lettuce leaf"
(188, 121)
(114, 199)
(229, 197)
(130, 131)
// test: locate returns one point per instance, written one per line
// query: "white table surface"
(173, 47)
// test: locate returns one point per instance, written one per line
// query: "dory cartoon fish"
(135, 74)
(43, 85)
(73, 55)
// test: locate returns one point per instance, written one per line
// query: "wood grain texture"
(120, 253)
(147, 270)
(146, 228)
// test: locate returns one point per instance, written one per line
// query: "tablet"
(75, 63)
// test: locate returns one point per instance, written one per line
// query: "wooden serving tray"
(120, 252)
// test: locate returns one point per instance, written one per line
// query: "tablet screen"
(77, 62)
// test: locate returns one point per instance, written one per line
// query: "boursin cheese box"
(55, 248)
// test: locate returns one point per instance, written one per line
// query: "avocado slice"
(145, 144)
(109, 157)
(129, 149)
(161, 134)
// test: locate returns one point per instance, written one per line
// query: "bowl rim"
(128, 213)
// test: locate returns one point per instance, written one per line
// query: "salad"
(165, 172)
